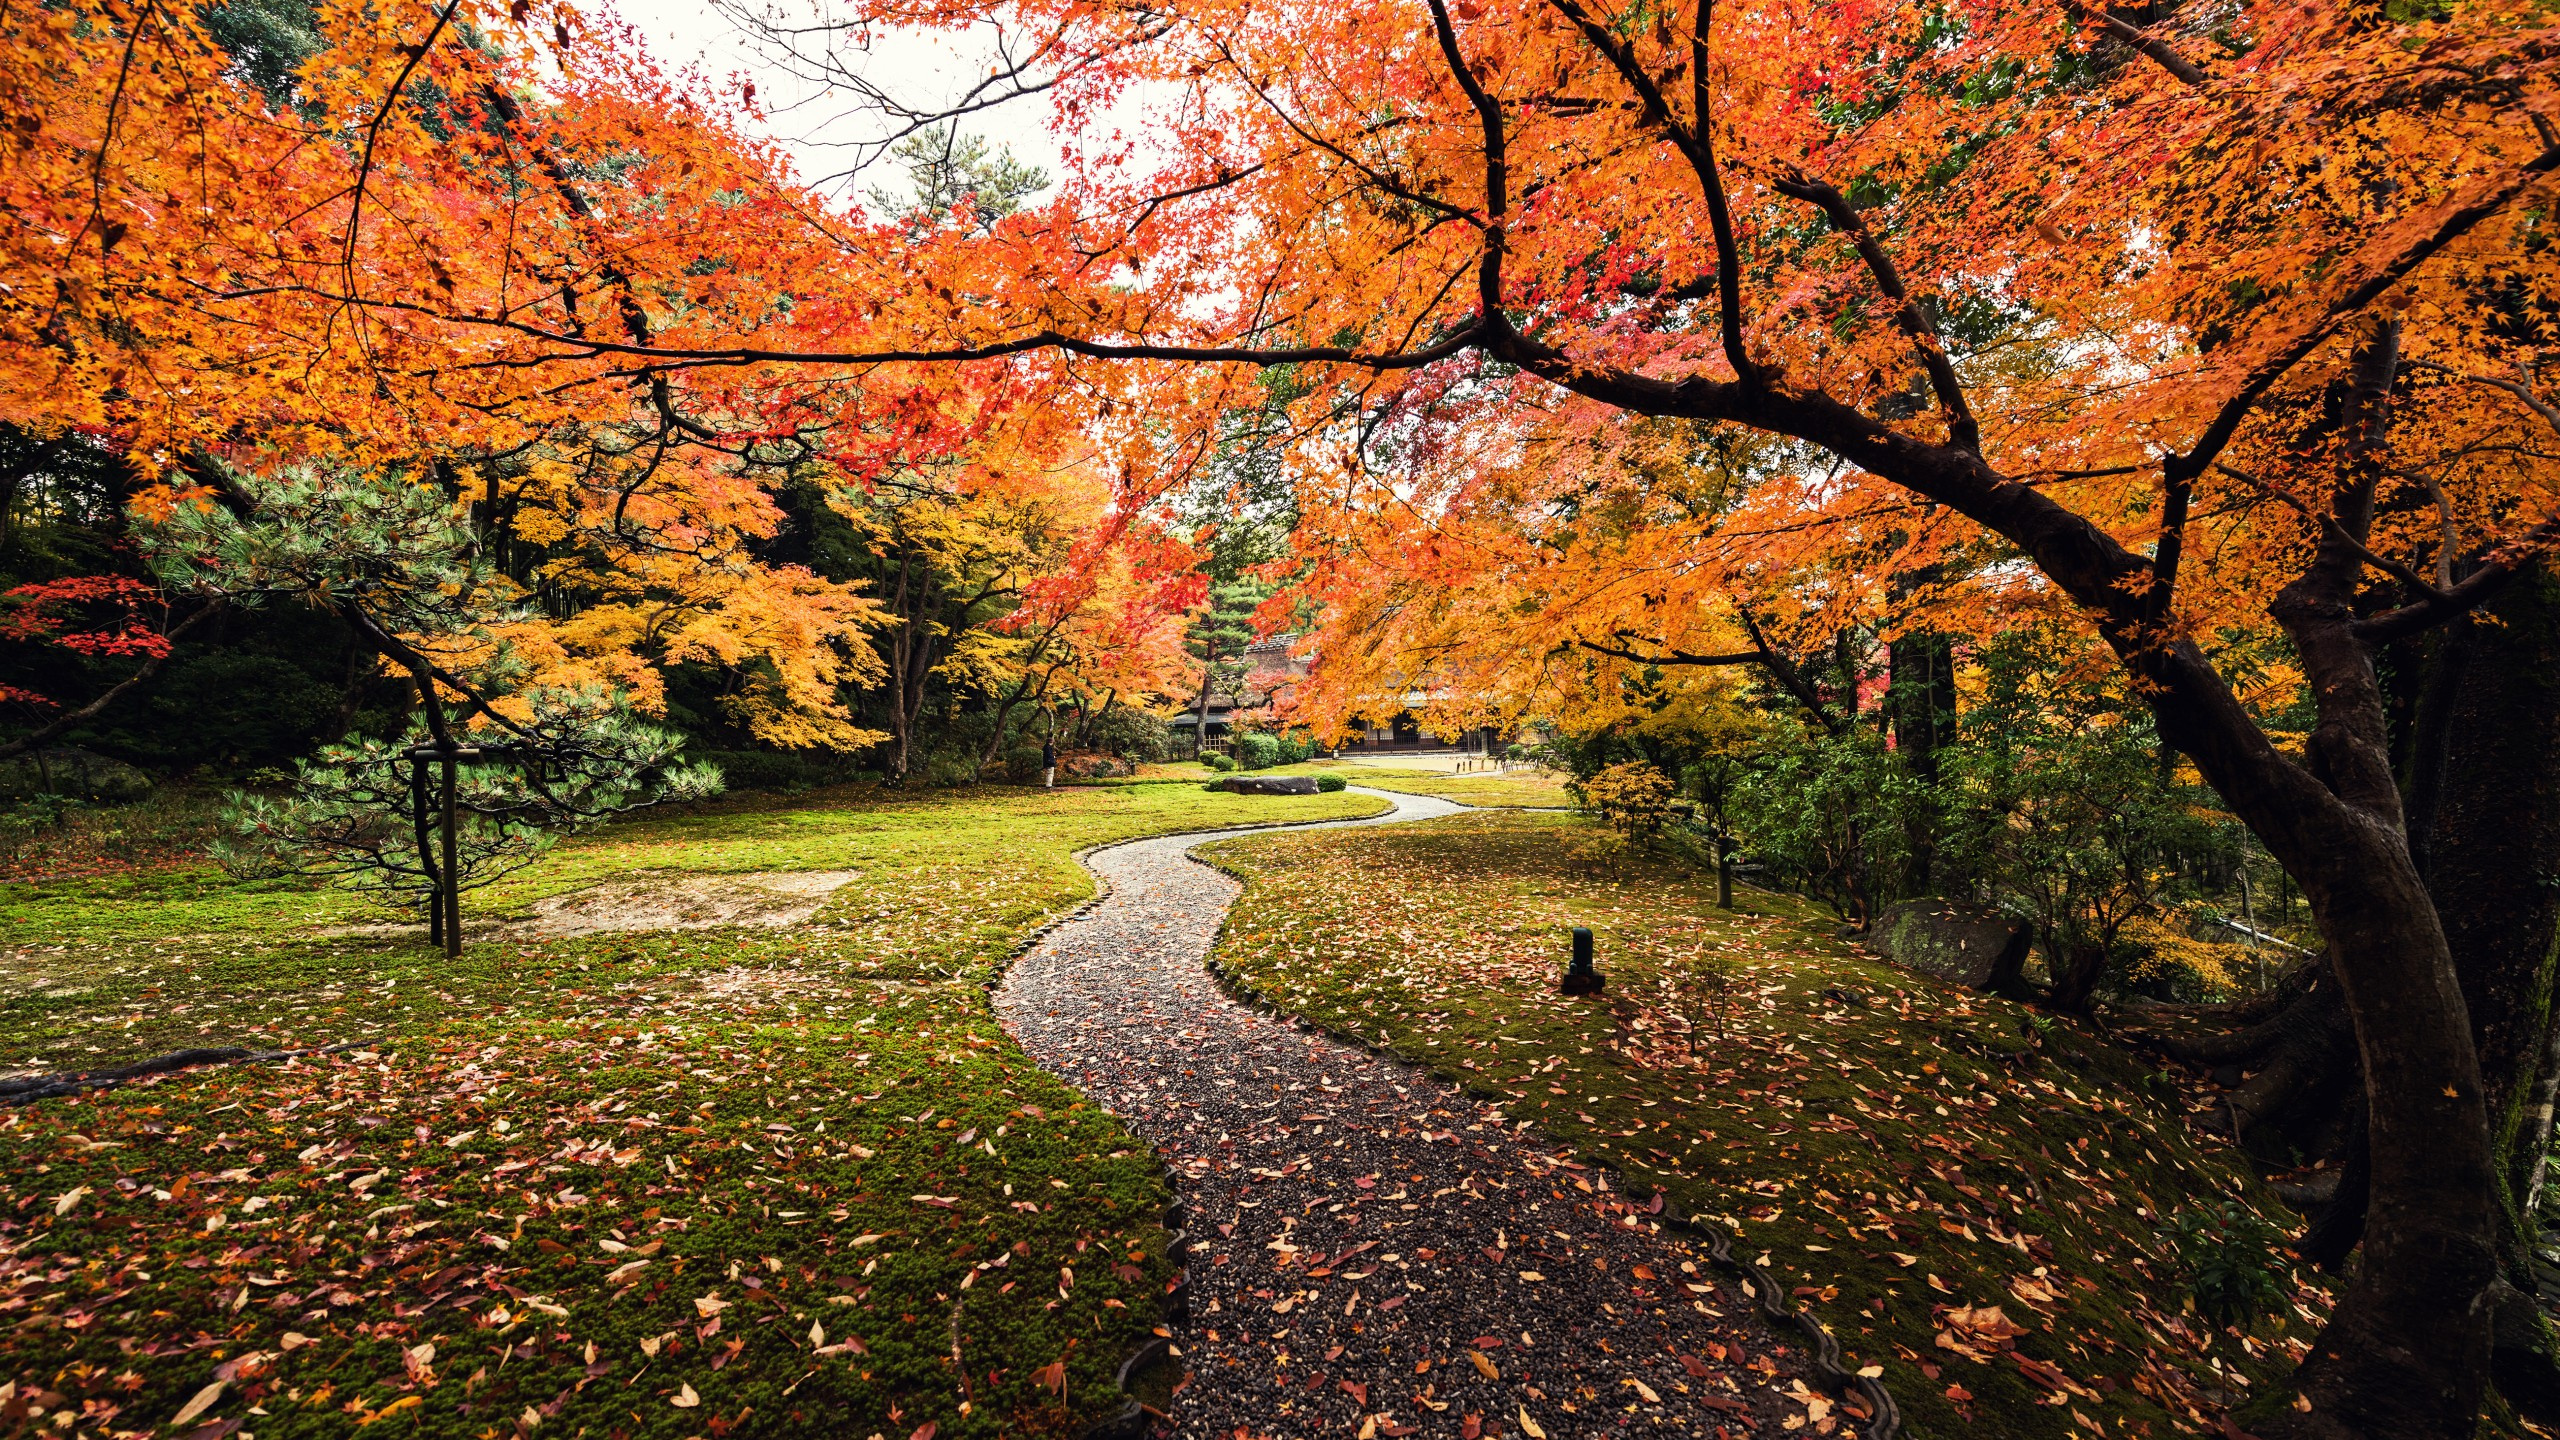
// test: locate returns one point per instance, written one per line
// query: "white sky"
(920, 68)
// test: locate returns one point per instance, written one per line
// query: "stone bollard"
(1580, 978)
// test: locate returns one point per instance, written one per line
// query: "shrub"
(1216, 761)
(1132, 734)
(1705, 990)
(778, 770)
(2232, 1265)
(1328, 784)
(1832, 817)
(1257, 751)
(1631, 798)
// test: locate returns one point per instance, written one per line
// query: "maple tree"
(2033, 282)
(2024, 306)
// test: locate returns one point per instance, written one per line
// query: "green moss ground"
(730, 1183)
(1902, 1154)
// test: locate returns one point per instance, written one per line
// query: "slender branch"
(2337, 534)
(1789, 677)
(2385, 263)
(2146, 43)
(2475, 589)
(140, 677)
(1962, 429)
(1719, 212)
(373, 133)
(1697, 148)
(2522, 390)
(1673, 658)
(579, 346)
(1497, 177)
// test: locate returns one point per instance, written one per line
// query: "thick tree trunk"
(2406, 1352)
(1200, 716)
(2078, 966)
(2492, 853)
(2495, 842)
(1922, 697)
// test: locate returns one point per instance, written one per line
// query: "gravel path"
(1372, 1252)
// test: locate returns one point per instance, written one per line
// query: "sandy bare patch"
(771, 899)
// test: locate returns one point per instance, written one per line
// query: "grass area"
(1532, 788)
(1983, 1202)
(735, 1182)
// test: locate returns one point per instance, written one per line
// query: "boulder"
(1974, 947)
(1267, 784)
(69, 770)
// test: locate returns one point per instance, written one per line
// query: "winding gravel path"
(1373, 1253)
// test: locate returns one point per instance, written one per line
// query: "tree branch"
(2475, 589)
(2385, 262)
(2146, 43)
(140, 677)
(1962, 429)
(1673, 658)
(1497, 177)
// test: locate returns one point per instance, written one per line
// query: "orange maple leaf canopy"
(1615, 333)
(444, 259)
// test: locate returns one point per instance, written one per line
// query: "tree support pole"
(449, 892)
(426, 853)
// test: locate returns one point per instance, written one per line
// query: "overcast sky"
(919, 68)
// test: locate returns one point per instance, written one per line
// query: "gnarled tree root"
(27, 1089)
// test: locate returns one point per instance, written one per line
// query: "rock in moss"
(1970, 946)
(1267, 784)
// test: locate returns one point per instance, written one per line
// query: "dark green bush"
(1131, 734)
(779, 770)
(1216, 761)
(2233, 1265)
(1330, 783)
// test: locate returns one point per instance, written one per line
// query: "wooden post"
(450, 900)
(426, 852)
(1724, 868)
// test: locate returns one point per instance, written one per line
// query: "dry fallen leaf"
(201, 1403)
(1484, 1365)
(685, 1399)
